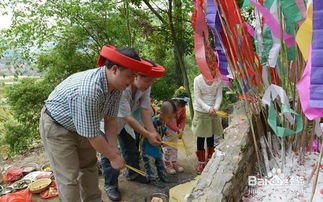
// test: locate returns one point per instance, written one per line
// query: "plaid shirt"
(82, 100)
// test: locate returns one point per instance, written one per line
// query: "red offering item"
(50, 192)
(20, 196)
(12, 175)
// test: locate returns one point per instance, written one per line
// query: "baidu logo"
(276, 178)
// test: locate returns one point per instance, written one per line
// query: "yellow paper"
(222, 114)
(173, 144)
(176, 145)
(305, 32)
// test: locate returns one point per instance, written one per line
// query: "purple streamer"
(213, 20)
(316, 87)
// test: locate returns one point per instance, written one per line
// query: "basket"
(39, 185)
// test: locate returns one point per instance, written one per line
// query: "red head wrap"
(142, 67)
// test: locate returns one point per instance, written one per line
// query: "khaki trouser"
(73, 160)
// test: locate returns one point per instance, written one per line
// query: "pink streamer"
(274, 25)
(301, 6)
(250, 29)
(303, 87)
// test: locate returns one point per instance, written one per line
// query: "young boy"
(152, 155)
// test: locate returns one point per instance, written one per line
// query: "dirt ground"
(131, 191)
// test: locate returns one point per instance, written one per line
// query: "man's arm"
(146, 119)
(110, 128)
(154, 137)
(133, 123)
(151, 136)
(101, 145)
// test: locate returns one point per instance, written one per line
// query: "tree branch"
(155, 12)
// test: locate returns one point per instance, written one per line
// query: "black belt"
(50, 115)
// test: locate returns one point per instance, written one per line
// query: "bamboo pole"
(317, 173)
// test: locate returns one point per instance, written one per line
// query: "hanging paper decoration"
(204, 55)
(274, 121)
(214, 23)
(304, 34)
(292, 16)
(301, 6)
(272, 93)
(316, 83)
(274, 25)
(238, 43)
(303, 87)
(250, 29)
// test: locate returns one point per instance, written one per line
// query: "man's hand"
(108, 150)
(154, 138)
(117, 162)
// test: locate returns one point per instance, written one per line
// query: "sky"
(5, 21)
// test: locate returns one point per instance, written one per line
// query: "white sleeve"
(218, 97)
(145, 99)
(124, 105)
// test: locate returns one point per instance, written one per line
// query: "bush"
(17, 136)
(25, 98)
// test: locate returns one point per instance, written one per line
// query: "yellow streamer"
(305, 32)
(222, 114)
(173, 144)
(177, 145)
(136, 170)
(178, 136)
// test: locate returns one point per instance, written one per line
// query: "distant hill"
(10, 70)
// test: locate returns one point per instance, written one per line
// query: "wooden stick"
(253, 136)
(264, 153)
(140, 172)
(312, 173)
(317, 173)
(270, 150)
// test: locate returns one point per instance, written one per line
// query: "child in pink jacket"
(174, 128)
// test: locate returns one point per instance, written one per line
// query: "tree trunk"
(177, 46)
(179, 55)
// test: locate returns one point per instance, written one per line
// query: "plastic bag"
(20, 196)
(13, 175)
(51, 192)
